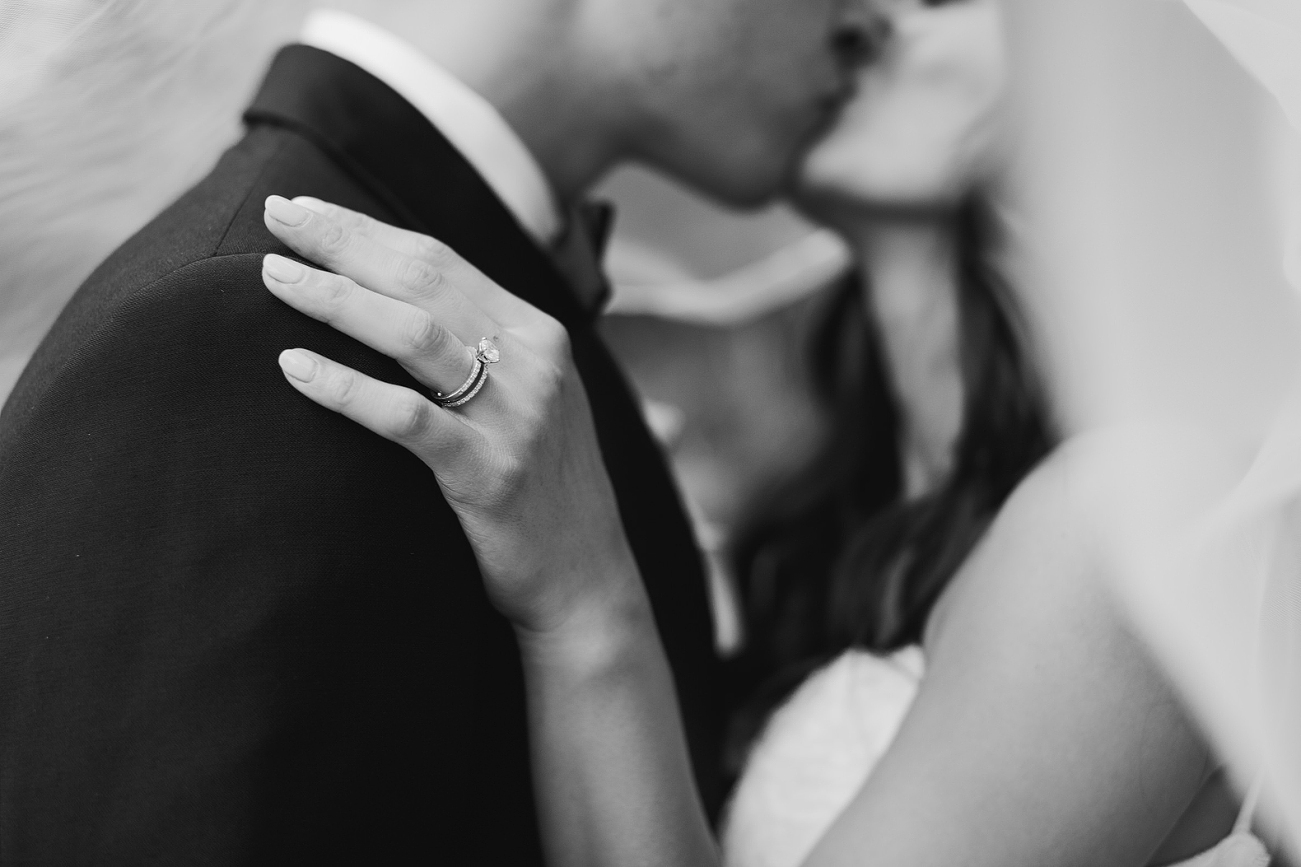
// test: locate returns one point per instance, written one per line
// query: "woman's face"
(919, 131)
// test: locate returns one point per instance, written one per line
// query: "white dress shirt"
(466, 119)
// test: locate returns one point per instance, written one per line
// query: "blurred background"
(714, 311)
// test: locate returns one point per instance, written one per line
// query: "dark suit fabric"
(236, 627)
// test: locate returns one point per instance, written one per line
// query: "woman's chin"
(916, 173)
(828, 201)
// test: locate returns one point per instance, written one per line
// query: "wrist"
(599, 633)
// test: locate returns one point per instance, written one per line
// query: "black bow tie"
(597, 218)
(578, 253)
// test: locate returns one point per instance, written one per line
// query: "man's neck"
(524, 59)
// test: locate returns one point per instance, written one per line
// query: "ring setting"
(485, 353)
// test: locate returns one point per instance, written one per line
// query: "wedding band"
(445, 399)
(484, 354)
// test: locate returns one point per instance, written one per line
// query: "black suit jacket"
(236, 627)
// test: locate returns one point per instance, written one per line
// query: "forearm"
(535, 500)
(613, 777)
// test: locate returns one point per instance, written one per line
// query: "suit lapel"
(393, 150)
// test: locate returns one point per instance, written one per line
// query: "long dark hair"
(838, 558)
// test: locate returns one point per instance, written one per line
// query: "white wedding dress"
(814, 754)
(822, 744)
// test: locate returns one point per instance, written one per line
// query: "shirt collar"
(464, 117)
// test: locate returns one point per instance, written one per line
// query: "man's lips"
(836, 99)
(830, 106)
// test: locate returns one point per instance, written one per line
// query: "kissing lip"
(832, 103)
(845, 90)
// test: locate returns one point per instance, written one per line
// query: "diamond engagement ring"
(485, 353)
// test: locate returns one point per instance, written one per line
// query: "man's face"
(734, 91)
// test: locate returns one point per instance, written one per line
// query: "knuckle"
(434, 284)
(511, 474)
(534, 416)
(433, 252)
(551, 381)
(365, 225)
(551, 370)
(335, 292)
(326, 209)
(345, 220)
(416, 275)
(347, 387)
(422, 333)
(553, 340)
(333, 238)
(409, 416)
(344, 217)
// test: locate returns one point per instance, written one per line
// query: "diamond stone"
(487, 352)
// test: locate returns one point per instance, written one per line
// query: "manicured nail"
(298, 364)
(284, 211)
(283, 270)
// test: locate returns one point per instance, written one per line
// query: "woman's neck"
(912, 291)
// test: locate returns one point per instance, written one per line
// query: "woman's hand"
(519, 462)
(520, 465)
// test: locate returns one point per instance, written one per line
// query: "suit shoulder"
(221, 216)
(198, 251)
(193, 227)
(213, 315)
(181, 382)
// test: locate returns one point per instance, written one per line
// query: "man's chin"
(798, 172)
(746, 191)
(782, 179)
(743, 181)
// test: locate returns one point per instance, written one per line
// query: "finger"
(344, 251)
(436, 278)
(376, 267)
(491, 298)
(401, 240)
(411, 336)
(395, 413)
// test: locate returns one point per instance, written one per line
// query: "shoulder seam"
(193, 264)
(104, 324)
(280, 146)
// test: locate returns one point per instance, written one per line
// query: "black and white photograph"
(650, 433)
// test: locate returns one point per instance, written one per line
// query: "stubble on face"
(742, 89)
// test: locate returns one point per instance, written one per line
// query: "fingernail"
(282, 270)
(298, 364)
(284, 211)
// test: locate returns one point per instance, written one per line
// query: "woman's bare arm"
(614, 780)
(1043, 732)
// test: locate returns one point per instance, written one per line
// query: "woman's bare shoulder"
(1049, 557)
(1043, 730)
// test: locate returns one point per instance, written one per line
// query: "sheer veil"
(1264, 35)
(108, 110)
(1222, 604)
